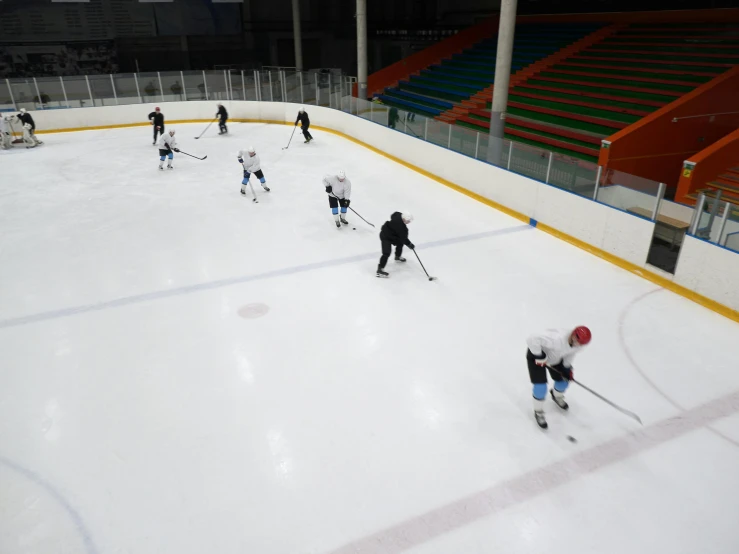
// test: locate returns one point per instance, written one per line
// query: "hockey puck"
(571, 438)
(354, 228)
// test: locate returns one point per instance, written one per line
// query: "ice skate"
(541, 419)
(399, 259)
(382, 273)
(559, 399)
(338, 225)
(344, 221)
(265, 187)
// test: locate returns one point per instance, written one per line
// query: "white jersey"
(555, 345)
(167, 142)
(251, 163)
(4, 125)
(341, 189)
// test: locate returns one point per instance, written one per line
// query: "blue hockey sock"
(343, 210)
(335, 211)
(170, 155)
(262, 180)
(561, 386)
(540, 391)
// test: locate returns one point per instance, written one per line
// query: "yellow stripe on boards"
(615, 260)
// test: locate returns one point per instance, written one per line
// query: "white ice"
(183, 371)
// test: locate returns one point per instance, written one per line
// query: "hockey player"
(167, 144)
(6, 138)
(222, 116)
(250, 161)
(304, 124)
(339, 190)
(394, 232)
(157, 120)
(29, 129)
(554, 350)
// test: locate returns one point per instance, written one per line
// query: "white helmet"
(407, 217)
(251, 150)
(341, 175)
(23, 110)
(171, 132)
(302, 110)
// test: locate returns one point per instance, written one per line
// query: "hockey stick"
(624, 411)
(352, 209)
(208, 127)
(254, 193)
(186, 154)
(424, 269)
(291, 138)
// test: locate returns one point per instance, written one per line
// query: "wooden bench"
(666, 228)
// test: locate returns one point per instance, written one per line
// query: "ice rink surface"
(185, 371)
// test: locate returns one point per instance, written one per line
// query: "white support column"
(112, 86)
(38, 93)
(549, 166)
(362, 49)
(257, 86)
(425, 128)
(510, 153)
(138, 90)
(205, 85)
(477, 144)
(228, 85)
(89, 89)
(184, 88)
(271, 96)
(449, 143)
(405, 119)
(10, 90)
(161, 86)
(297, 36)
(64, 91)
(372, 117)
(300, 75)
(503, 59)
(318, 96)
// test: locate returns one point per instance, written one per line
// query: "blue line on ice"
(189, 289)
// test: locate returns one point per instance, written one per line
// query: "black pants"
(538, 374)
(334, 202)
(386, 248)
(160, 131)
(306, 134)
(222, 125)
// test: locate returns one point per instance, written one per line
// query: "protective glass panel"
(627, 192)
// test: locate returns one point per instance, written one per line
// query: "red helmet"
(582, 335)
(156, 109)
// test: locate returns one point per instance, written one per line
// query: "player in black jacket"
(223, 117)
(157, 120)
(25, 117)
(304, 124)
(394, 232)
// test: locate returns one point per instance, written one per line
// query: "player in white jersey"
(339, 190)
(167, 145)
(553, 350)
(250, 162)
(6, 137)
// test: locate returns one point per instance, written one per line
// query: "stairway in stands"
(727, 182)
(571, 102)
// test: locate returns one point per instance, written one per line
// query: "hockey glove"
(241, 161)
(346, 202)
(411, 246)
(541, 361)
(246, 174)
(176, 149)
(329, 188)
(568, 374)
